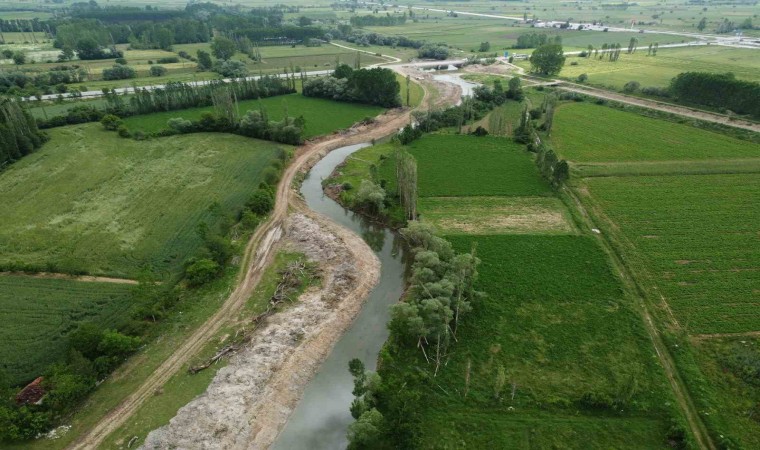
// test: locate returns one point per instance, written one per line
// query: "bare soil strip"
(250, 400)
(63, 276)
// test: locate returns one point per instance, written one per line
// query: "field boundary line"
(680, 392)
(65, 276)
(706, 336)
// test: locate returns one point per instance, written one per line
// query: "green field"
(698, 238)
(585, 132)
(322, 116)
(495, 167)
(669, 62)
(91, 201)
(37, 314)
(556, 321)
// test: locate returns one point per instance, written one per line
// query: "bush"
(271, 176)
(261, 202)
(123, 131)
(168, 60)
(582, 78)
(180, 125)
(231, 68)
(631, 87)
(201, 271)
(111, 122)
(119, 72)
(121, 61)
(158, 71)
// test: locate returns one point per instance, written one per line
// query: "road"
(729, 40)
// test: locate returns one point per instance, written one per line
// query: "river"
(322, 417)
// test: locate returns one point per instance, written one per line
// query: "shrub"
(111, 122)
(121, 61)
(180, 125)
(261, 202)
(119, 72)
(123, 131)
(582, 78)
(201, 271)
(270, 176)
(168, 60)
(231, 68)
(631, 87)
(157, 71)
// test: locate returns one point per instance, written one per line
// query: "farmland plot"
(93, 202)
(698, 236)
(37, 314)
(588, 133)
(322, 116)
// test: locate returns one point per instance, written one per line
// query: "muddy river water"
(321, 419)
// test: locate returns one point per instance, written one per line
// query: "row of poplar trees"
(19, 135)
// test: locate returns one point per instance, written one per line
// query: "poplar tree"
(406, 174)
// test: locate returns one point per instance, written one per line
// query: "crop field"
(585, 132)
(556, 322)
(496, 215)
(91, 201)
(322, 116)
(658, 70)
(38, 313)
(495, 167)
(697, 236)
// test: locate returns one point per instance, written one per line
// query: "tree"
(19, 58)
(484, 47)
(632, 45)
(119, 72)
(67, 54)
(204, 60)
(261, 202)
(371, 196)
(88, 48)
(223, 48)
(514, 89)
(343, 71)
(304, 21)
(406, 173)
(702, 24)
(547, 59)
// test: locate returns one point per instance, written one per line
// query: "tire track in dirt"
(258, 254)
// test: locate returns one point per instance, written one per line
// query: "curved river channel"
(322, 417)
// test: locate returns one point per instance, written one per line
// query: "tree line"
(722, 91)
(172, 96)
(377, 86)
(371, 20)
(19, 135)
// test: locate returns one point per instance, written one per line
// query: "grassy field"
(560, 337)
(697, 236)
(37, 314)
(91, 201)
(322, 116)
(585, 132)
(669, 62)
(441, 159)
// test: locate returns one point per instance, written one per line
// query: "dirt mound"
(251, 398)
